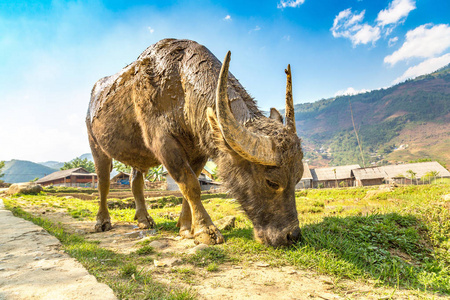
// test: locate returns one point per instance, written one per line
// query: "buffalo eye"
(273, 185)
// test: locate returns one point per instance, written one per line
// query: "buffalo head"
(260, 163)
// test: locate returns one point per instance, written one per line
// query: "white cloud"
(257, 28)
(428, 66)
(425, 41)
(227, 18)
(350, 91)
(366, 35)
(290, 3)
(151, 30)
(345, 21)
(392, 41)
(397, 11)
(348, 25)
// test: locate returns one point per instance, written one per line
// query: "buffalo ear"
(216, 132)
(275, 115)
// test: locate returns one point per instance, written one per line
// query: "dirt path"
(33, 267)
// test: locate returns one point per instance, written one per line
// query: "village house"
(307, 179)
(333, 176)
(369, 176)
(403, 173)
(120, 181)
(76, 177)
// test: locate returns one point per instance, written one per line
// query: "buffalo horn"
(253, 147)
(290, 114)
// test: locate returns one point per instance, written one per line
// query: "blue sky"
(52, 52)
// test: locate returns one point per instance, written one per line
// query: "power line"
(356, 133)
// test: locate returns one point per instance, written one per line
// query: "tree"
(78, 162)
(155, 174)
(121, 167)
(430, 174)
(335, 179)
(2, 165)
(412, 174)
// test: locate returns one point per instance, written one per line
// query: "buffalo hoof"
(209, 235)
(146, 222)
(103, 226)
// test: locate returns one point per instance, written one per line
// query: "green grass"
(398, 238)
(208, 256)
(145, 250)
(212, 267)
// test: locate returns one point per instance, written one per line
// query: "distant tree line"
(78, 162)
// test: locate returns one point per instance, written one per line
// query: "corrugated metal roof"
(420, 169)
(119, 174)
(394, 171)
(342, 172)
(369, 173)
(65, 173)
(306, 172)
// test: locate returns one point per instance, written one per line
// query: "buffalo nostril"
(294, 236)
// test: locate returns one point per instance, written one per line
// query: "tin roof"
(395, 171)
(65, 173)
(369, 173)
(306, 172)
(333, 173)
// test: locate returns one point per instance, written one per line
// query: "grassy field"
(397, 238)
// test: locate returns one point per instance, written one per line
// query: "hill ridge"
(385, 120)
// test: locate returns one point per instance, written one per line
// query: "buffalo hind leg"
(137, 187)
(176, 162)
(185, 220)
(103, 166)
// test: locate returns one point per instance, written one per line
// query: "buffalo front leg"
(176, 162)
(137, 187)
(185, 220)
(103, 166)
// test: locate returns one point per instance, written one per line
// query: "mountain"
(408, 121)
(87, 155)
(52, 164)
(23, 171)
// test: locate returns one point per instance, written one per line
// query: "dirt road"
(33, 267)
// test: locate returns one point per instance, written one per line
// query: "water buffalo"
(177, 105)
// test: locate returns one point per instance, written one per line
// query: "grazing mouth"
(277, 238)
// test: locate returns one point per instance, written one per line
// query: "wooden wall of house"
(333, 183)
(369, 182)
(74, 181)
(304, 184)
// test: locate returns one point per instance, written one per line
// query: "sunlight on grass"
(398, 237)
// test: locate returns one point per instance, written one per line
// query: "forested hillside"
(23, 171)
(405, 122)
